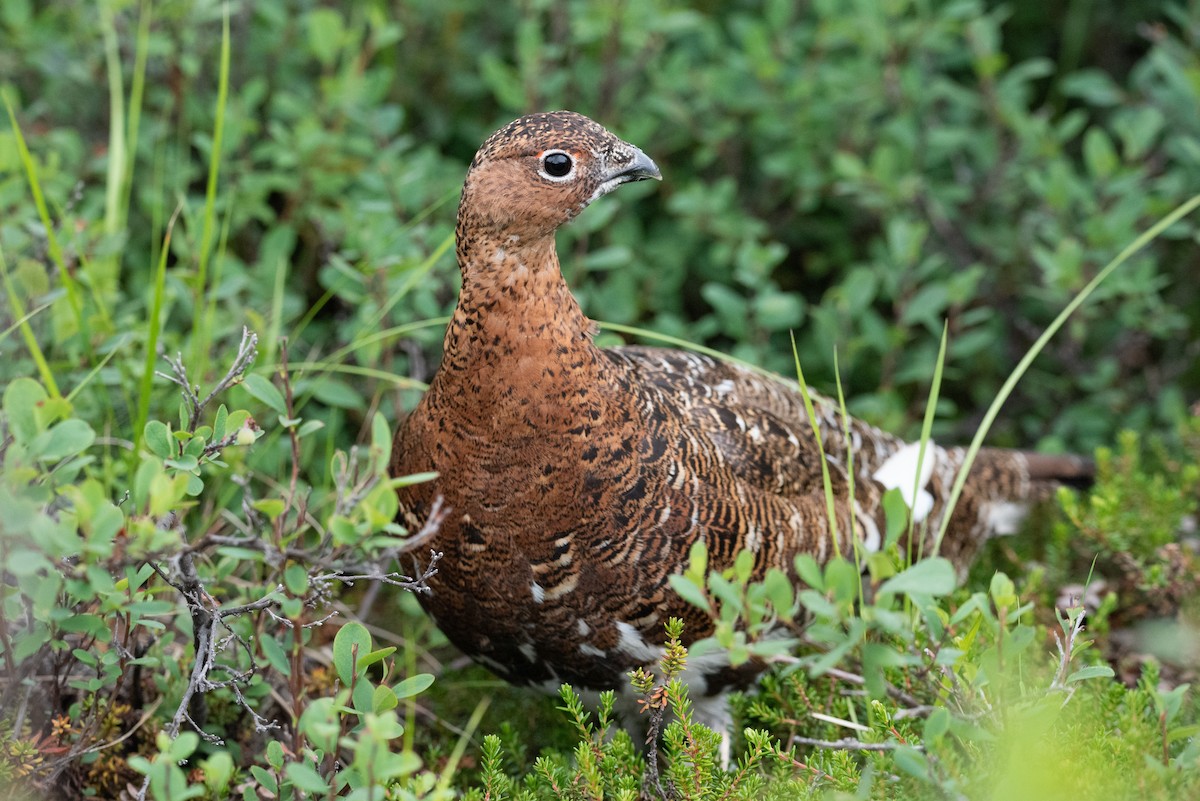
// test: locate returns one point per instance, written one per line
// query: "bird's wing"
(759, 421)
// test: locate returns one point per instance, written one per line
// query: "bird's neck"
(514, 306)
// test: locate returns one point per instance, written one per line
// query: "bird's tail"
(998, 493)
(1059, 470)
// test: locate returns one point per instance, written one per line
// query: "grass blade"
(203, 335)
(22, 319)
(52, 245)
(926, 437)
(153, 329)
(830, 509)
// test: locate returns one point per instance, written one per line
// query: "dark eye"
(556, 164)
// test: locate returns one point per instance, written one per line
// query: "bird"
(574, 479)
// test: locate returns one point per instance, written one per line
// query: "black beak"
(641, 168)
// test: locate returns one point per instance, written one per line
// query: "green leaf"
(218, 770)
(351, 641)
(291, 608)
(186, 464)
(220, 423)
(689, 591)
(937, 724)
(1099, 153)
(697, 569)
(911, 761)
(1138, 129)
(182, 746)
(1092, 672)
(780, 592)
(381, 437)
(275, 754)
(810, 572)
(157, 437)
(362, 699)
(275, 655)
(895, 513)
(326, 31)
(743, 565)
(65, 439)
(365, 661)
(337, 393)
(1093, 86)
(265, 778)
(93, 625)
(306, 778)
(21, 399)
(842, 579)
(932, 576)
(414, 685)
(266, 392)
(271, 507)
(383, 699)
(1183, 732)
(295, 578)
(1003, 591)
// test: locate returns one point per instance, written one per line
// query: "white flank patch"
(1005, 517)
(753, 539)
(630, 642)
(900, 472)
(528, 651)
(587, 649)
(538, 593)
(724, 388)
(713, 712)
(872, 541)
(582, 627)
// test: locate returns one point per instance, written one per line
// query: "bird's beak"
(641, 168)
(638, 168)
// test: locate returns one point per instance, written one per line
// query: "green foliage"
(1139, 503)
(855, 173)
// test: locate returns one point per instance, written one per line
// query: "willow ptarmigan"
(578, 478)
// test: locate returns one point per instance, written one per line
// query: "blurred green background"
(855, 172)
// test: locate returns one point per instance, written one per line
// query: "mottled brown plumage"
(577, 478)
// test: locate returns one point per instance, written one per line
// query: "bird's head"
(538, 172)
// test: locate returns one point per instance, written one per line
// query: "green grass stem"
(35, 350)
(826, 481)
(208, 225)
(153, 329)
(935, 389)
(55, 249)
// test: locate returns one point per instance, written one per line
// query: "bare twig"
(849, 744)
(247, 352)
(1071, 625)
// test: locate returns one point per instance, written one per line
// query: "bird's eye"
(557, 164)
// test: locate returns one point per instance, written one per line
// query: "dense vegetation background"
(856, 173)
